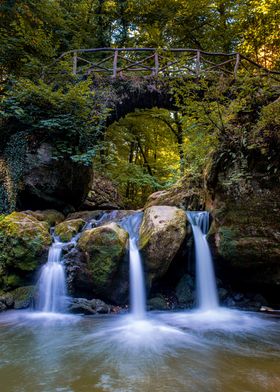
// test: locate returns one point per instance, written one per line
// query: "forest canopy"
(150, 149)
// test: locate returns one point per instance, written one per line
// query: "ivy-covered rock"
(68, 229)
(162, 232)
(105, 248)
(23, 241)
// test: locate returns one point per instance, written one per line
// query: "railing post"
(115, 64)
(236, 65)
(197, 65)
(156, 64)
(75, 60)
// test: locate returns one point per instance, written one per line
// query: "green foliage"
(12, 166)
(149, 150)
(140, 154)
(52, 113)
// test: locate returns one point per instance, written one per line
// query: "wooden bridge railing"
(118, 62)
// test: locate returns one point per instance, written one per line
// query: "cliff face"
(244, 198)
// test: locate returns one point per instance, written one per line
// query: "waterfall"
(205, 277)
(52, 286)
(136, 275)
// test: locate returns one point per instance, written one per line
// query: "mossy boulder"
(105, 248)
(103, 194)
(68, 229)
(20, 298)
(244, 198)
(86, 306)
(23, 241)
(162, 232)
(52, 217)
(157, 303)
(185, 291)
(187, 193)
(85, 215)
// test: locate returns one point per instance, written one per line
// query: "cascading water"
(136, 275)
(205, 277)
(52, 286)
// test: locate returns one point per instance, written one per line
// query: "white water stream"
(207, 295)
(136, 275)
(52, 286)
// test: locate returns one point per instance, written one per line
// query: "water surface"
(227, 351)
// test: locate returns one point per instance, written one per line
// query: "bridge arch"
(139, 78)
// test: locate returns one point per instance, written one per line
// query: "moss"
(227, 243)
(157, 303)
(23, 297)
(68, 229)
(23, 240)
(52, 217)
(12, 280)
(162, 232)
(105, 247)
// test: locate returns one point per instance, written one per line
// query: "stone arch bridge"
(143, 74)
(139, 77)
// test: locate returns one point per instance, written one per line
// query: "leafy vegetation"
(150, 149)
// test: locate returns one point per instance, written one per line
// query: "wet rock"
(85, 306)
(51, 182)
(114, 216)
(186, 194)
(105, 250)
(222, 294)
(53, 217)
(7, 299)
(85, 215)
(79, 275)
(103, 194)
(245, 235)
(3, 306)
(185, 290)
(229, 302)
(157, 303)
(24, 242)
(20, 298)
(162, 232)
(23, 297)
(238, 297)
(68, 229)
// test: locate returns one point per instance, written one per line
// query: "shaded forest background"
(148, 150)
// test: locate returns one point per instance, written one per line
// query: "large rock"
(20, 298)
(85, 306)
(157, 303)
(51, 182)
(245, 234)
(23, 241)
(68, 229)
(185, 291)
(186, 193)
(106, 268)
(162, 232)
(103, 194)
(53, 217)
(85, 215)
(79, 275)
